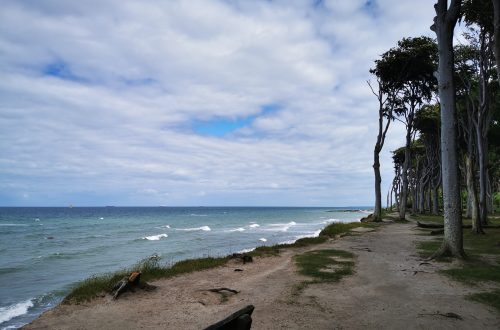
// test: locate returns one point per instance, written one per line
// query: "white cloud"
(113, 122)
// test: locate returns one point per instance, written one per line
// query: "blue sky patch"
(221, 126)
(60, 69)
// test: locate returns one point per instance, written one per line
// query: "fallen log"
(240, 320)
(130, 282)
(218, 290)
(429, 225)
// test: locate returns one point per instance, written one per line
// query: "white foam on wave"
(155, 237)
(314, 234)
(262, 239)
(254, 225)
(282, 226)
(9, 312)
(166, 226)
(237, 229)
(202, 228)
(246, 250)
(13, 225)
(198, 215)
(101, 218)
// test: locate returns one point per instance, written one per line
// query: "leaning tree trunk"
(444, 24)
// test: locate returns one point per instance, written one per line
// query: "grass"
(477, 268)
(475, 272)
(323, 266)
(151, 269)
(489, 298)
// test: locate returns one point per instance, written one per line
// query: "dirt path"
(391, 289)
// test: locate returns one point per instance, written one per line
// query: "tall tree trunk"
(382, 131)
(481, 155)
(496, 35)
(435, 199)
(477, 226)
(406, 168)
(377, 214)
(444, 24)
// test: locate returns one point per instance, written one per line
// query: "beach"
(50, 250)
(391, 288)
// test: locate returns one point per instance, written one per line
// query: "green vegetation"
(482, 263)
(475, 272)
(323, 266)
(489, 298)
(151, 269)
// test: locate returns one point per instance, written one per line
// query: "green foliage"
(489, 298)
(427, 119)
(408, 69)
(478, 12)
(325, 265)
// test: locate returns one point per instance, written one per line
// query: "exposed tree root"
(449, 315)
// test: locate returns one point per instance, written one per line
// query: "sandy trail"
(391, 289)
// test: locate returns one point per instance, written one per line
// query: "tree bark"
(382, 131)
(444, 24)
(477, 227)
(406, 165)
(496, 35)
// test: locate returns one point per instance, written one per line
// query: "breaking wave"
(9, 312)
(155, 237)
(202, 228)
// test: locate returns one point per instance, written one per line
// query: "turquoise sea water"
(44, 251)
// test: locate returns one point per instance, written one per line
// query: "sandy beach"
(392, 288)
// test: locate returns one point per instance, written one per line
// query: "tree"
(478, 15)
(427, 123)
(444, 24)
(383, 94)
(496, 34)
(408, 69)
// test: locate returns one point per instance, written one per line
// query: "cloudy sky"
(195, 102)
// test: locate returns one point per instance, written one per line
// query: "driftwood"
(130, 283)
(244, 257)
(240, 320)
(450, 315)
(219, 290)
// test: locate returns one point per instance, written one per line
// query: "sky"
(195, 102)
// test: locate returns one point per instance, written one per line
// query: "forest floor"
(392, 288)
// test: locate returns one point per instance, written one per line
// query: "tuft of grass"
(475, 269)
(335, 229)
(489, 298)
(150, 269)
(474, 272)
(427, 248)
(323, 266)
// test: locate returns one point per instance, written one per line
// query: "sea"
(45, 251)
